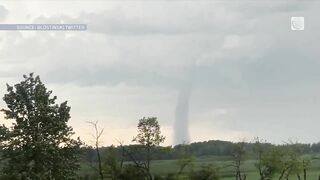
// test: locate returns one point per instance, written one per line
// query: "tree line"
(221, 149)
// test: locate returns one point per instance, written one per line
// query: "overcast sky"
(250, 74)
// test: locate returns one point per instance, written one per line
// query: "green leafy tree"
(38, 145)
(268, 159)
(291, 163)
(271, 162)
(149, 135)
(282, 160)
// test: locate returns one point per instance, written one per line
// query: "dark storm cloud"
(267, 28)
(206, 24)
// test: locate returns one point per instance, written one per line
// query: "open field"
(164, 167)
(170, 166)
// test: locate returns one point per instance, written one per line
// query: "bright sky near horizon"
(252, 76)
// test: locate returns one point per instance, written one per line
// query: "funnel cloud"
(181, 125)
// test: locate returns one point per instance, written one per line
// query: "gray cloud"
(244, 57)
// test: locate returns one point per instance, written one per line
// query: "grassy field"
(170, 166)
(164, 167)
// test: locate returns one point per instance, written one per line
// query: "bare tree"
(238, 156)
(122, 152)
(96, 136)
